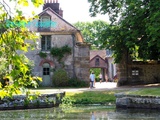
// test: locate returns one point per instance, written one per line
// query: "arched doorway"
(99, 63)
(46, 75)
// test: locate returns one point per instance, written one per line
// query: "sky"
(76, 10)
(73, 11)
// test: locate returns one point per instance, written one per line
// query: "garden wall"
(23, 102)
(138, 72)
(137, 101)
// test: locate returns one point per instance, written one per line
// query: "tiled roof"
(101, 53)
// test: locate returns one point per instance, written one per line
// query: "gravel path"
(104, 86)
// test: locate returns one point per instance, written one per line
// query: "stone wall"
(138, 73)
(76, 64)
(136, 101)
(148, 73)
(82, 62)
(41, 101)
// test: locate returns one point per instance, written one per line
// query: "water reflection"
(81, 113)
(93, 116)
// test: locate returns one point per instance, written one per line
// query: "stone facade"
(41, 101)
(61, 33)
(138, 72)
(136, 101)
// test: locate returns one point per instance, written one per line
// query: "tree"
(13, 45)
(134, 27)
(91, 32)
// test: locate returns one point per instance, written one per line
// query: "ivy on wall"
(60, 52)
(42, 55)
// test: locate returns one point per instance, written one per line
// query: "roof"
(101, 53)
(97, 56)
(101, 63)
(61, 25)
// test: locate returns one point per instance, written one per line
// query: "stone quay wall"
(41, 101)
(137, 101)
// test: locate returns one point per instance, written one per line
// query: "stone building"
(103, 59)
(131, 72)
(55, 32)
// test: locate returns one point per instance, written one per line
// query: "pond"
(81, 113)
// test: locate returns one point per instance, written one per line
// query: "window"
(46, 43)
(46, 69)
(97, 62)
(45, 22)
(135, 72)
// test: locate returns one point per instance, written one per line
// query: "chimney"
(61, 12)
(54, 5)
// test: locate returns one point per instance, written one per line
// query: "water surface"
(81, 113)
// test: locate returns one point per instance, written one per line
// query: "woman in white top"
(92, 79)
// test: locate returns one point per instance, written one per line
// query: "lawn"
(92, 97)
(145, 92)
(108, 96)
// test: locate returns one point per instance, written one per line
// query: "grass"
(92, 97)
(146, 92)
(107, 97)
(102, 97)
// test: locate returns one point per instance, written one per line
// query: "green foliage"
(91, 97)
(26, 103)
(96, 71)
(136, 32)
(60, 78)
(13, 47)
(145, 92)
(42, 54)
(60, 52)
(91, 32)
(67, 102)
(74, 82)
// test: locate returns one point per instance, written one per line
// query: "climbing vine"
(60, 52)
(42, 54)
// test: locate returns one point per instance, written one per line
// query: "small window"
(46, 69)
(46, 43)
(45, 22)
(135, 72)
(97, 62)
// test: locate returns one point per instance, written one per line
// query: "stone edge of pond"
(42, 101)
(137, 101)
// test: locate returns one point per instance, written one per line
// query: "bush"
(60, 78)
(74, 82)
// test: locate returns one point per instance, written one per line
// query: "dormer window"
(45, 22)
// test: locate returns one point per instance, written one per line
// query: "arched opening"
(46, 75)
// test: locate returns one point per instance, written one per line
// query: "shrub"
(74, 82)
(60, 78)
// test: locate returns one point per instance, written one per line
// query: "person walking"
(100, 77)
(92, 80)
